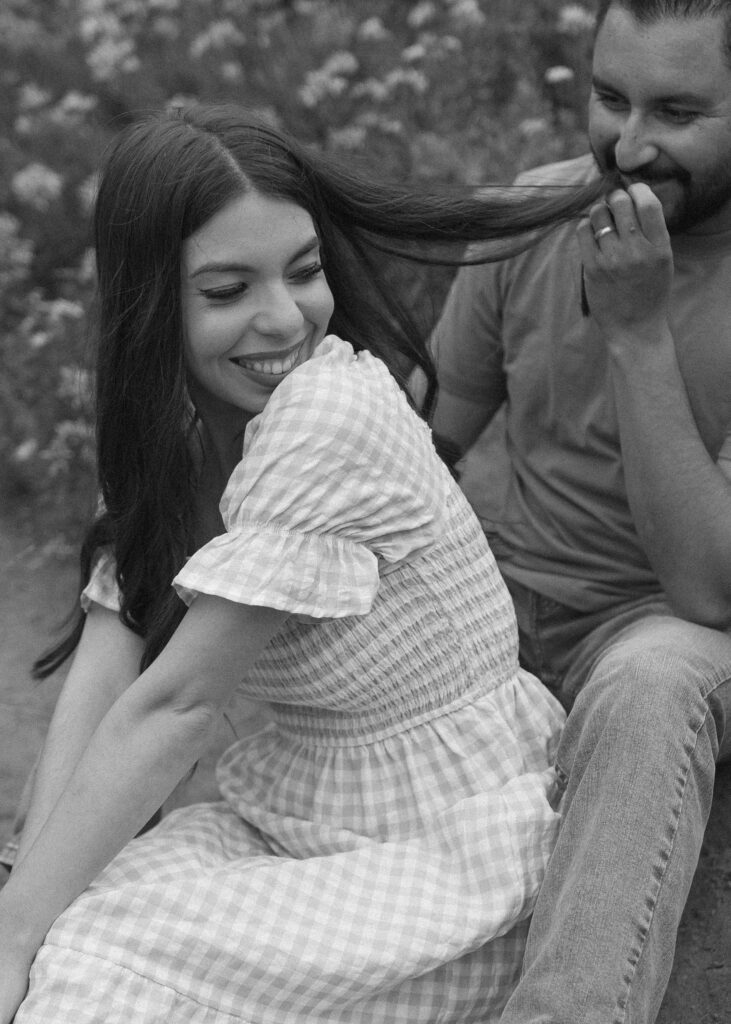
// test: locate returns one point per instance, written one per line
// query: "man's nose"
(635, 147)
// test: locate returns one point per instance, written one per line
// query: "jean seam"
(536, 632)
(623, 1004)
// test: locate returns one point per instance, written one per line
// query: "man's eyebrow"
(223, 266)
(686, 98)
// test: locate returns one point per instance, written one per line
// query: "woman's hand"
(627, 263)
(14, 971)
(18, 947)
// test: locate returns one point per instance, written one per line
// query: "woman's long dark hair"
(163, 179)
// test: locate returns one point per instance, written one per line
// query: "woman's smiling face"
(255, 301)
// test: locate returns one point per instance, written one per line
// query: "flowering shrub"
(464, 91)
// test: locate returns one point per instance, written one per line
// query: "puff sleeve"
(338, 482)
(102, 586)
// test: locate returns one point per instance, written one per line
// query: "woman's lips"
(271, 364)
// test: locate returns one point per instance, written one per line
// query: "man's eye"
(611, 100)
(677, 115)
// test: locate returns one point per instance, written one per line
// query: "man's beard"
(695, 203)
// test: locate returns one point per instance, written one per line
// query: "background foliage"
(464, 91)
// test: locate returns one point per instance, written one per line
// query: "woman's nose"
(278, 313)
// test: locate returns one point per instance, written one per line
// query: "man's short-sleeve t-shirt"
(546, 476)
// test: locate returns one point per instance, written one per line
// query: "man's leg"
(638, 752)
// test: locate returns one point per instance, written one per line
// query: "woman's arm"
(142, 747)
(105, 663)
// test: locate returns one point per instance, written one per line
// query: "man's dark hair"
(647, 11)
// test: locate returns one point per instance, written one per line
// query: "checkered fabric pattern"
(380, 844)
(102, 588)
(317, 500)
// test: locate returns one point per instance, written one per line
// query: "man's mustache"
(613, 178)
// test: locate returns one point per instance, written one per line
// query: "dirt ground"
(35, 596)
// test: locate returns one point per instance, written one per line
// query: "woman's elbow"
(185, 710)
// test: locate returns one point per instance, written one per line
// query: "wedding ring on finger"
(606, 230)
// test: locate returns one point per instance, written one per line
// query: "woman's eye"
(230, 291)
(308, 272)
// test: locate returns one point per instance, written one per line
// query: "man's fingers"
(624, 216)
(587, 244)
(648, 210)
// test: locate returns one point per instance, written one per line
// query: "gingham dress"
(379, 844)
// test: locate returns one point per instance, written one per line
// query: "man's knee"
(660, 682)
(659, 659)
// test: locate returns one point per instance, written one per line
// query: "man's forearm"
(680, 500)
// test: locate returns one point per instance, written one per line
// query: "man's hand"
(627, 262)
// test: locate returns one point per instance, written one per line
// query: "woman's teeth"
(274, 366)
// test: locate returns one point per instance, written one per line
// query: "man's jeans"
(650, 714)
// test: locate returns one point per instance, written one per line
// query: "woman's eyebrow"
(222, 266)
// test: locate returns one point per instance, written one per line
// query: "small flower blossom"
(389, 126)
(74, 386)
(342, 62)
(557, 74)
(86, 192)
(371, 89)
(16, 253)
(72, 108)
(75, 102)
(421, 14)
(231, 71)
(25, 450)
(329, 80)
(352, 137)
(533, 126)
(318, 86)
(37, 186)
(71, 438)
(24, 125)
(413, 53)
(111, 56)
(408, 77)
(372, 30)
(95, 25)
(217, 36)
(451, 44)
(439, 45)
(31, 97)
(574, 19)
(166, 28)
(60, 309)
(467, 13)
(87, 267)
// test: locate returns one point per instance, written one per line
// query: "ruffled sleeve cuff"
(102, 586)
(322, 576)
